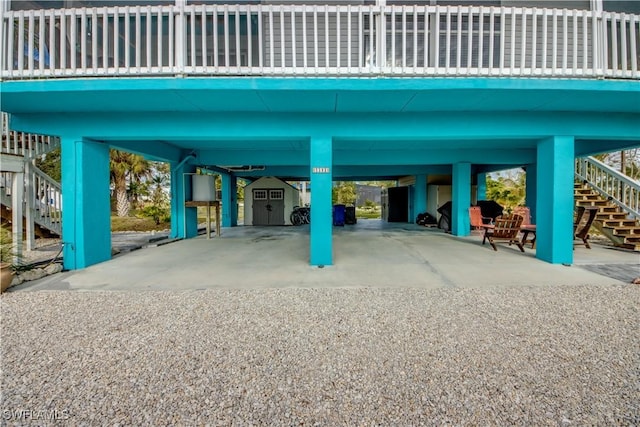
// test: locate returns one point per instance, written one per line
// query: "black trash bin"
(350, 215)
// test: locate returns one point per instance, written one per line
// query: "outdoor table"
(526, 230)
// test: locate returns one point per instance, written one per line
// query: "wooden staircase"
(29, 199)
(612, 220)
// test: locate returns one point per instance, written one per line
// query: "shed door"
(276, 213)
(268, 207)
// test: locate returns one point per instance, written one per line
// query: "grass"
(365, 213)
(131, 223)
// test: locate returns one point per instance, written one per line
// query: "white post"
(17, 196)
(180, 39)
(29, 207)
(380, 60)
(598, 37)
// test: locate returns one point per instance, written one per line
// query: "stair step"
(627, 231)
(632, 240)
(591, 197)
(620, 223)
(617, 216)
(598, 203)
(582, 191)
(612, 209)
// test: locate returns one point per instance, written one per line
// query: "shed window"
(276, 194)
(259, 194)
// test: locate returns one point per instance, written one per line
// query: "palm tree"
(126, 167)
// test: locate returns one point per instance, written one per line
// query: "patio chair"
(527, 228)
(582, 225)
(477, 221)
(506, 229)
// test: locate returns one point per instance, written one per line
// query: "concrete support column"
(86, 223)
(481, 187)
(419, 196)
(461, 199)
(554, 200)
(184, 221)
(321, 249)
(531, 189)
(229, 200)
(17, 232)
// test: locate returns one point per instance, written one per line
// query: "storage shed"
(269, 201)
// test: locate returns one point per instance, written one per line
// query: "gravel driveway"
(565, 355)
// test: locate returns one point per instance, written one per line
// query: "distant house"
(367, 192)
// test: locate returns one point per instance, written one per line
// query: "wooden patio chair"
(527, 227)
(506, 229)
(477, 221)
(582, 225)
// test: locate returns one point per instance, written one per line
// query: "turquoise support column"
(531, 185)
(321, 249)
(86, 223)
(461, 199)
(481, 187)
(184, 221)
(229, 200)
(419, 196)
(554, 200)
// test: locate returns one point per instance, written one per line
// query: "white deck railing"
(622, 190)
(317, 40)
(24, 144)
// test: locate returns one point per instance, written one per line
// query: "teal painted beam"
(152, 150)
(461, 199)
(254, 157)
(478, 126)
(86, 223)
(376, 158)
(329, 94)
(481, 186)
(229, 200)
(586, 148)
(321, 242)
(138, 84)
(441, 156)
(531, 192)
(184, 221)
(554, 200)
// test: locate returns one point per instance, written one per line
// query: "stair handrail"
(47, 199)
(24, 144)
(614, 185)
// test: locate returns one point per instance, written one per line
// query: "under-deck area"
(371, 253)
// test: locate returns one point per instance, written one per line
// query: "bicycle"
(300, 215)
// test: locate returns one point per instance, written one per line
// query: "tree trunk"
(122, 200)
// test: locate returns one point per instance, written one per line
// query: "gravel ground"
(558, 356)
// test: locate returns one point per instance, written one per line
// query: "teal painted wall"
(531, 195)
(184, 221)
(229, 200)
(419, 196)
(86, 219)
(554, 200)
(461, 199)
(481, 189)
(321, 239)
